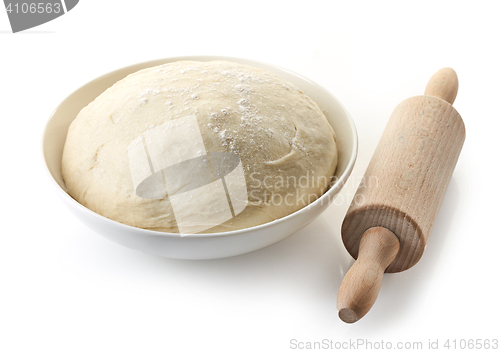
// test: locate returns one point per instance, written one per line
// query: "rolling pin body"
(407, 177)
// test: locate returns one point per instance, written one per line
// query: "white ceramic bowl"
(199, 246)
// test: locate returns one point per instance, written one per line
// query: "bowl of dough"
(199, 157)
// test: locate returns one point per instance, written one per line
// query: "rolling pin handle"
(359, 289)
(443, 84)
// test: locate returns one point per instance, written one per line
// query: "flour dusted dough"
(286, 146)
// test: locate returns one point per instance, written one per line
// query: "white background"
(64, 288)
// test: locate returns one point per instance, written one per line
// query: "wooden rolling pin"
(389, 221)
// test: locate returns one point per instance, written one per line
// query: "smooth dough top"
(286, 146)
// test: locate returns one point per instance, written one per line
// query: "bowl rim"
(325, 197)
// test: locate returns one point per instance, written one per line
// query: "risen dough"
(286, 146)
